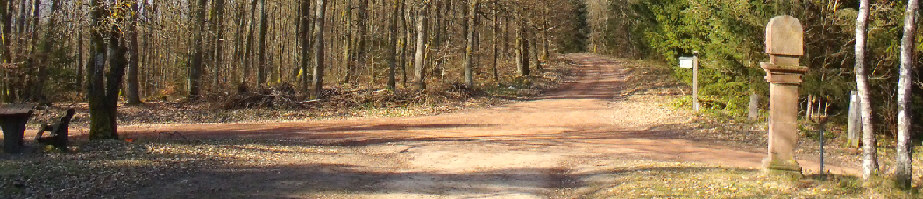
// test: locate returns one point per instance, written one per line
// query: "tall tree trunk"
(533, 46)
(544, 38)
(5, 21)
(261, 60)
(392, 55)
(219, 43)
(305, 44)
(133, 93)
(361, 38)
(36, 82)
(348, 63)
(870, 150)
(47, 49)
(902, 171)
(81, 64)
(239, 41)
(249, 52)
(495, 40)
(21, 27)
(103, 88)
(320, 8)
(405, 41)
(469, 48)
(197, 62)
(522, 49)
(419, 69)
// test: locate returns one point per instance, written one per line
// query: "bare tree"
(197, 63)
(305, 44)
(362, 36)
(469, 48)
(219, 42)
(419, 69)
(392, 55)
(522, 48)
(320, 8)
(261, 60)
(903, 172)
(249, 51)
(496, 33)
(132, 84)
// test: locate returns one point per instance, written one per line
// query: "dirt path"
(552, 147)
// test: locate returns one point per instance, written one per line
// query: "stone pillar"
(785, 46)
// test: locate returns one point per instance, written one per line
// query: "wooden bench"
(13, 118)
(58, 132)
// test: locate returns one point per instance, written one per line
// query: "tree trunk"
(405, 41)
(305, 45)
(320, 8)
(103, 89)
(419, 69)
(249, 52)
(37, 82)
(533, 46)
(261, 60)
(196, 64)
(392, 55)
(133, 95)
(219, 43)
(522, 49)
(870, 150)
(348, 63)
(6, 22)
(81, 65)
(495, 41)
(469, 48)
(361, 38)
(902, 171)
(239, 41)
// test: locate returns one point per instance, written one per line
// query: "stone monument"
(785, 46)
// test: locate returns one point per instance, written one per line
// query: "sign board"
(685, 62)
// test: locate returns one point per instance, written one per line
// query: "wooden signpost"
(693, 63)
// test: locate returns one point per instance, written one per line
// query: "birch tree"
(902, 168)
(320, 8)
(869, 149)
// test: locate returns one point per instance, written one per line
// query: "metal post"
(822, 147)
(695, 81)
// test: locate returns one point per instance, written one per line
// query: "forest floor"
(608, 131)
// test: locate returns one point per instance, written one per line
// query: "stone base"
(789, 167)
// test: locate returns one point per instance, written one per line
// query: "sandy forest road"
(551, 147)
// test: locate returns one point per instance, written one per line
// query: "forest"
(170, 79)
(198, 50)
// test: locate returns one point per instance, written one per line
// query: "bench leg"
(13, 132)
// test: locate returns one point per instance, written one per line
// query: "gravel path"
(560, 145)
